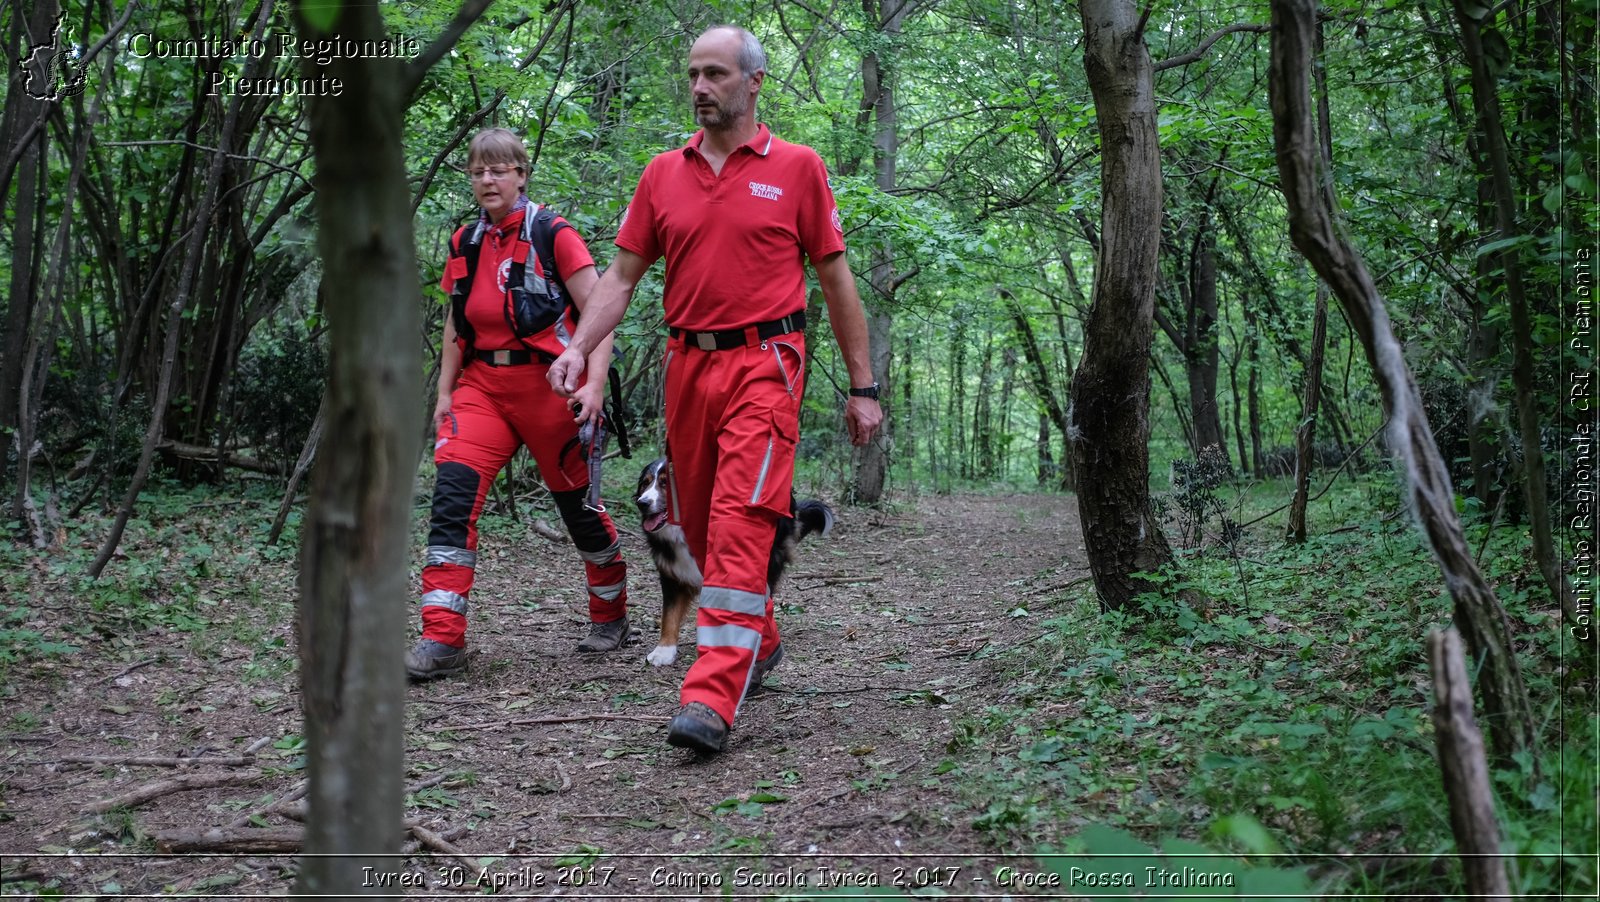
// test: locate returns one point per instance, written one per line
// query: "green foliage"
(280, 383)
(1290, 713)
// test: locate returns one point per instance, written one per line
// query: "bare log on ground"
(181, 783)
(1466, 772)
(232, 840)
(132, 761)
(220, 455)
(222, 839)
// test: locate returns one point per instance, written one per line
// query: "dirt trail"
(889, 629)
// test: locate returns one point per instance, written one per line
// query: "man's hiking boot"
(606, 636)
(697, 727)
(429, 659)
(765, 665)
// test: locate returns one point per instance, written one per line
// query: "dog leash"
(592, 444)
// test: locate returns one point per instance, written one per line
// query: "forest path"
(891, 626)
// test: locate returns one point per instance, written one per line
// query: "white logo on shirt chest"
(770, 192)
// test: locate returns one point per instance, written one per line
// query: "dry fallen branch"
(136, 761)
(151, 791)
(230, 840)
(1059, 587)
(439, 844)
(276, 805)
(181, 783)
(547, 531)
(288, 840)
(129, 669)
(818, 582)
(540, 721)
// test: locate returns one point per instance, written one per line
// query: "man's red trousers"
(494, 410)
(733, 417)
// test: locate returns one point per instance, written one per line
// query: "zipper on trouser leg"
(761, 476)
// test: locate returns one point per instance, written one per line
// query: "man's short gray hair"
(751, 56)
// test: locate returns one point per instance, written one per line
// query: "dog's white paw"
(663, 655)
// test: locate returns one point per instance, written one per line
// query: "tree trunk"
(1311, 227)
(877, 89)
(1253, 389)
(1202, 349)
(983, 412)
(22, 114)
(1306, 435)
(956, 408)
(1053, 411)
(353, 557)
(1533, 466)
(1110, 416)
(1246, 462)
(1484, 448)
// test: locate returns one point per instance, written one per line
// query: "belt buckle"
(705, 341)
(500, 358)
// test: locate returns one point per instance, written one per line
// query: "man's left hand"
(862, 418)
(587, 402)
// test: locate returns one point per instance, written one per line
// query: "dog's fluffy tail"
(813, 517)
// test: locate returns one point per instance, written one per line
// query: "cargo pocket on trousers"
(774, 480)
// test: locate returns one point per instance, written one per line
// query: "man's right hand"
(441, 409)
(567, 372)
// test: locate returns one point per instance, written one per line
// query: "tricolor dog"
(680, 576)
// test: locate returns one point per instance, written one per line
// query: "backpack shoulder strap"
(467, 243)
(540, 231)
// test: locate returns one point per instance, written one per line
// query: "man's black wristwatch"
(870, 391)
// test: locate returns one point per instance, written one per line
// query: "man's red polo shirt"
(735, 243)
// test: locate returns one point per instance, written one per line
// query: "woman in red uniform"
(494, 397)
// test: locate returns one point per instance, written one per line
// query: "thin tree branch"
(414, 71)
(1200, 51)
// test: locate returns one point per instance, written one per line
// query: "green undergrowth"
(1296, 696)
(192, 575)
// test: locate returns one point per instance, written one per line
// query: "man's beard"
(720, 116)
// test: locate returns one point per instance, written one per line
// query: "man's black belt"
(513, 358)
(738, 338)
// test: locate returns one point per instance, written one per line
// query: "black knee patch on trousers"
(454, 494)
(588, 533)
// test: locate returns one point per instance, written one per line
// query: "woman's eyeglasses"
(495, 172)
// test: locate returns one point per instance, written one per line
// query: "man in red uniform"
(736, 213)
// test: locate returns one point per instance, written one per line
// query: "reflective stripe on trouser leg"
(732, 422)
(449, 561)
(728, 644)
(595, 537)
(608, 590)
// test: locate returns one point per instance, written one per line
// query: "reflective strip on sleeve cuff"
(439, 598)
(447, 554)
(733, 600)
(728, 636)
(609, 593)
(604, 555)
